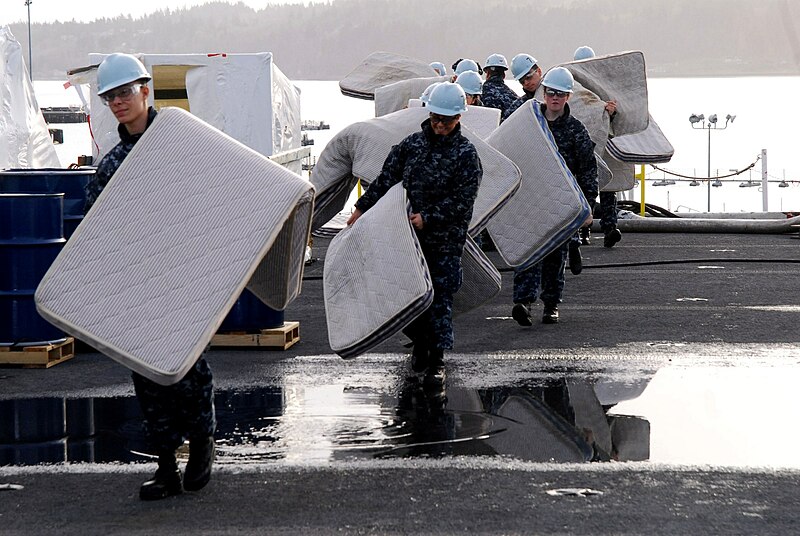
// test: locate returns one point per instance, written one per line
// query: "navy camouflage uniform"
(441, 175)
(516, 104)
(496, 94)
(608, 211)
(577, 149)
(172, 413)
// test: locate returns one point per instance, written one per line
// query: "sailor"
(496, 94)
(608, 200)
(440, 171)
(576, 147)
(465, 64)
(471, 83)
(184, 410)
(527, 72)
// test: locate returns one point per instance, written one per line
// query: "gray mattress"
(623, 175)
(647, 147)
(360, 150)
(395, 96)
(371, 294)
(380, 69)
(189, 218)
(548, 207)
(621, 77)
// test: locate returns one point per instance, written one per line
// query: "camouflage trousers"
(608, 211)
(546, 275)
(174, 413)
(434, 327)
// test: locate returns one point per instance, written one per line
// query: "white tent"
(24, 139)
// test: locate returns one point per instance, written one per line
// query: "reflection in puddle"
(699, 415)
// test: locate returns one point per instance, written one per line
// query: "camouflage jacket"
(496, 94)
(577, 149)
(516, 104)
(112, 160)
(441, 175)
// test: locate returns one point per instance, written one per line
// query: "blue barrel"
(251, 315)
(31, 235)
(71, 182)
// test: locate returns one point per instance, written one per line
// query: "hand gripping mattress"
(360, 150)
(376, 280)
(548, 207)
(621, 77)
(647, 147)
(395, 96)
(380, 69)
(189, 218)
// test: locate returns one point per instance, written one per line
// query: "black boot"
(612, 237)
(435, 374)
(575, 259)
(198, 468)
(165, 483)
(585, 234)
(550, 315)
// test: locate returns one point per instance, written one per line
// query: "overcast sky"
(87, 10)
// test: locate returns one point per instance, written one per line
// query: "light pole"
(30, 56)
(700, 122)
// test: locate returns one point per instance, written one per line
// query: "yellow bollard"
(640, 176)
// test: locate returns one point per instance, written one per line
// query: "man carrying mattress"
(527, 72)
(440, 171)
(496, 94)
(185, 409)
(576, 147)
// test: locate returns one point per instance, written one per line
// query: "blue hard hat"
(439, 67)
(559, 78)
(448, 99)
(466, 65)
(497, 60)
(426, 95)
(119, 69)
(583, 53)
(470, 82)
(521, 64)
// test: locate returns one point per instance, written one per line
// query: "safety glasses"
(443, 119)
(555, 93)
(124, 93)
(530, 74)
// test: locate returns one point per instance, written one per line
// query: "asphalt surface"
(651, 299)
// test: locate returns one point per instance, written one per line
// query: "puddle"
(717, 415)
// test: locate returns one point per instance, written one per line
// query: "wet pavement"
(670, 384)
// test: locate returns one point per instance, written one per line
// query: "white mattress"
(590, 109)
(623, 175)
(621, 77)
(380, 69)
(360, 150)
(188, 219)
(647, 147)
(375, 279)
(481, 280)
(395, 96)
(604, 174)
(548, 207)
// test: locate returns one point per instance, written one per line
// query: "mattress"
(604, 173)
(380, 69)
(623, 175)
(395, 96)
(647, 147)
(621, 77)
(548, 207)
(189, 218)
(590, 109)
(370, 294)
(481, 281)
(360, 150)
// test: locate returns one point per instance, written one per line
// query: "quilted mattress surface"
(375, 279)
(481, 280)
(621, 77)
(380, 69)
(395, 96)
(360, 150)
(548, 207)
(180, 230)
(623, 175)
(650, 146)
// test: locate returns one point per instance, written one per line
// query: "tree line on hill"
(325, 41)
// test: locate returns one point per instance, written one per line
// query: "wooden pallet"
(278, 338)
(44, 356)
